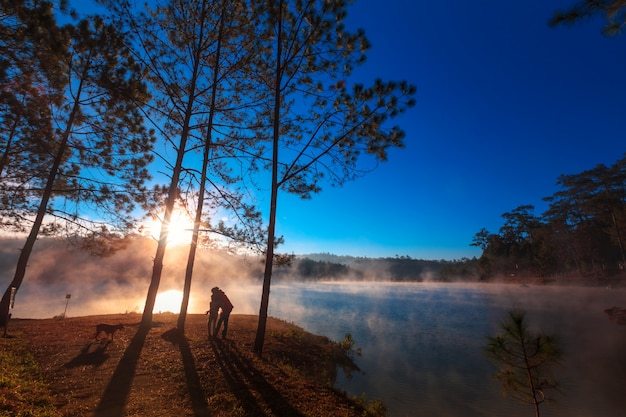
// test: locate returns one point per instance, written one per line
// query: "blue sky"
(505, 104)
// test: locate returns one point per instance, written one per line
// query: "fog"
(422, 342)
(119, 283)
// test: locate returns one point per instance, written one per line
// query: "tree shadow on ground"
(244, 379)
(93, 353)
(117, 391)
(196, 393)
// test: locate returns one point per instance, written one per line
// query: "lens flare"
(180, 228)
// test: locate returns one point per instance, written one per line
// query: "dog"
(108, 329)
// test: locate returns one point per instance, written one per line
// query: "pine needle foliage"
(525, 360)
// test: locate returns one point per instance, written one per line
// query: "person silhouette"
(212, 312)
(224, 304)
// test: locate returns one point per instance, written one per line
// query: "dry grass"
(162, 373)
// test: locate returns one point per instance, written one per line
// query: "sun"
(168, 302)
(180, 229)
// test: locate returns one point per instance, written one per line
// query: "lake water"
(422, 344)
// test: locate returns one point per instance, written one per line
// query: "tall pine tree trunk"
(22, 262)
(172, 195)
(269, 255)
(180, 325)
(157, 268)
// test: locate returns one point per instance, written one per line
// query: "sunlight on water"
(423, 344)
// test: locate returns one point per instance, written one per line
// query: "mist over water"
(422, 343)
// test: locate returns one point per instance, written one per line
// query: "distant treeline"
(581, 234)
(333, 267)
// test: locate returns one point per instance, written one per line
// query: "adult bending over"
(222, 301)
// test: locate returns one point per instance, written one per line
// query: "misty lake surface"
(423, 344)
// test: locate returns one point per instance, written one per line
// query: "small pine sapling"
(525, 360)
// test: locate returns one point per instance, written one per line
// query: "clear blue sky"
(505, 104)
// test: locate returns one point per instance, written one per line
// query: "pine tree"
(320, 128)
(614, 11)
(99, 149)
(196, 54)
(525, 360)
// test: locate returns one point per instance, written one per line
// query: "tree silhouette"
(319, 128)
(196, 53)
(31, 48)
(614, 11)
(525, 360)
(98, 150)
(582, 231)
(228, 28)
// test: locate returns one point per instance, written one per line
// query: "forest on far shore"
(579, 237)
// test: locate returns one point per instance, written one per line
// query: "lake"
(422, 344)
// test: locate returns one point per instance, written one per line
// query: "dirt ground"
(163, 374)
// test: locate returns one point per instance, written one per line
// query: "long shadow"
(240, 372)
(194, 386)
(116, 393)
(93, 353)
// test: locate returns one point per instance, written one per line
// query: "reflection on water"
(423, 343)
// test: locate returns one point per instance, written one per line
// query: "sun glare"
(180, 229)
(168, 301)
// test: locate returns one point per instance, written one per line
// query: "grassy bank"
(55, 367)
(23, 392)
